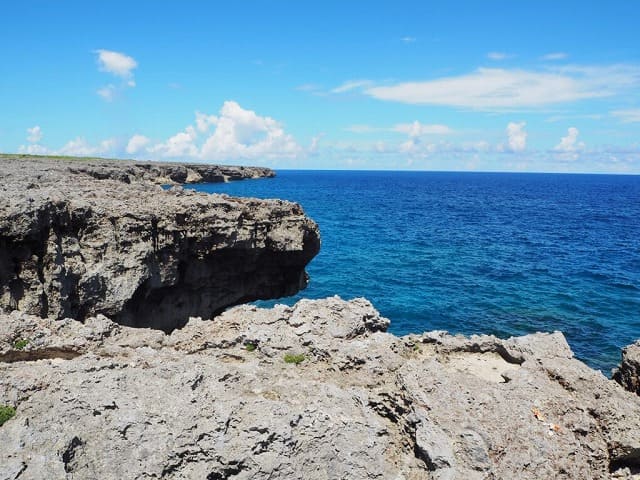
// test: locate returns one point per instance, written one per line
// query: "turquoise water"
(498, 253)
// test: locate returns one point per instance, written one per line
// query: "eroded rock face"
(217, 399)
(79, 239)
(628, 373)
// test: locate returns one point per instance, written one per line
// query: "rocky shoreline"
(315, 391)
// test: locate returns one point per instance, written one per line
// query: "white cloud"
(497, 56)
(137, 143)
(241, 133)
(116, 63)
(570, 142)
(516, 138)
(417, 129)
(235, 133)
(494, 88)
(408, 39)
(182, 144)
(80, 147)
(34, 134)
(121, 66)
(108, 92)
(352, 85)
(34, 149)
(627, 116)
(554, 56)
(204, 121)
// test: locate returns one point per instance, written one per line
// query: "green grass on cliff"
(6, 413)
(25, 156)
(295, 359)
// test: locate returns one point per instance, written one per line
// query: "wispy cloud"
(414, 129)
(352, 85)
(627, 116)
(417, 129)
(497, 56)
(554, 56)
(408, 39)
(503, 89)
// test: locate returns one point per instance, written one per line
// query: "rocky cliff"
(316, 391)
(79, 238)
(628, 373)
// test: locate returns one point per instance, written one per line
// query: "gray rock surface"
(81, 238)
(217, 400)
(628, 373)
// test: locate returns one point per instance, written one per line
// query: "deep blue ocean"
(497, 253)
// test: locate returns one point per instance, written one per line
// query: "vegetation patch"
(6, 412)
(294, 358)
(250, 347)
(21, 344)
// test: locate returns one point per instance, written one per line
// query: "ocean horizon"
(476, 252)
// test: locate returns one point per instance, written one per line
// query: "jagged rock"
(628, 373)
(79, 239)
(216, 399)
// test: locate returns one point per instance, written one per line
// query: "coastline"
(199, 402)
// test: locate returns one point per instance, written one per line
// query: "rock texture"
(80, 238)
(628, 373)
(217, 400)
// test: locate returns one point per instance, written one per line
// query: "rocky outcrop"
(313, 391)
(84, 238)
(628, 373)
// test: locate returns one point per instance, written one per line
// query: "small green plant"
(21, 344)
(416, 347)
(294, 358)
(6, 412)
(250, 347)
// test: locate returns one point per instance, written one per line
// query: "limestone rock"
(216, 399)
(78, 239)
(628, 373)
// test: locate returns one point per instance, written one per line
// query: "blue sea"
(496, 253)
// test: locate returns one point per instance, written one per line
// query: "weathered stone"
(101, 400)
(628, 373)
(79, 239)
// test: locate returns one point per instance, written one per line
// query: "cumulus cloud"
(496, 88)
(417, 129)
(182, 144)
(34, 134)
(116, 63)
(570, 142)
(235, 133)
(34, 149)
(76, 147)
(516, 138)
(80, 147)
(119, 65)
(241, 133)
(136, 144)
(627, 116)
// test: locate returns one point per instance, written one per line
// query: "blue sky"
(507, 86)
